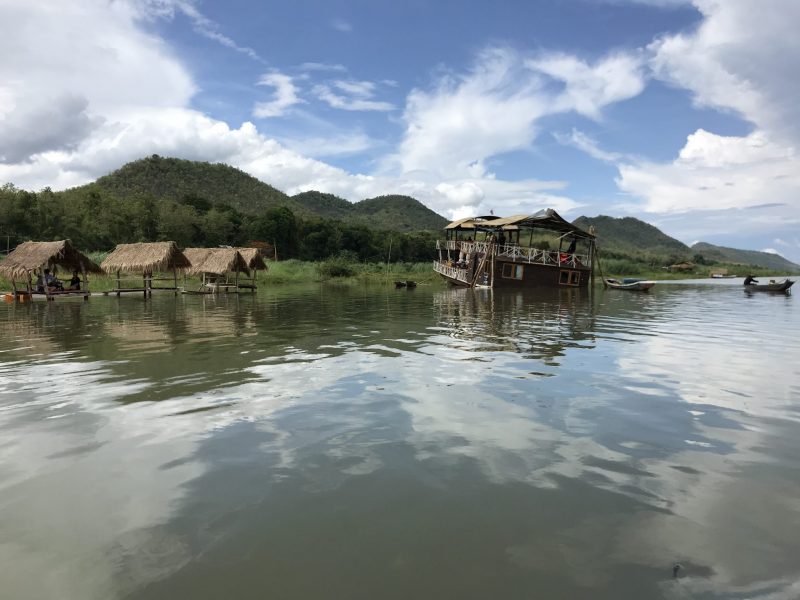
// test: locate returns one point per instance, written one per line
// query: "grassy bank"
(289, 271)
(341, 270)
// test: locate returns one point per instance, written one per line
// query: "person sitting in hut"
(52, 282)
(47, 282)
(75, 282)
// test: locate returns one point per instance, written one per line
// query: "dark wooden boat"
(634, 285)
(773, 286)
(491, 251)
(405, 284)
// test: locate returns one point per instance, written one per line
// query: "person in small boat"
(750, 280)
(75, 282)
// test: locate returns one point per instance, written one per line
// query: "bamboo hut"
(29, 257)
(214, 266)
(150, 259)
(255, 262)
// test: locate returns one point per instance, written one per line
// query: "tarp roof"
(546, 218)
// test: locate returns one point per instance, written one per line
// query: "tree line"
(97, 220)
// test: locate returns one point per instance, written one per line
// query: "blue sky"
(678, 112)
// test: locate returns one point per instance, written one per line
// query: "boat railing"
(451, 272)
(518, 253)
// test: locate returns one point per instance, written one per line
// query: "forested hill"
(398, 213)
(745, 257)
(221, 185)
(632, 236)
(178, 180)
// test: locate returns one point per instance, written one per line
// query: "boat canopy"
(546, 218)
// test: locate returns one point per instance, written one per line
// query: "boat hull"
(782, 286)
(633, 286)
(515, 274)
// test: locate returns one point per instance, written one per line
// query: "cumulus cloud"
(742, 58)
(53, 95)
(285, 95)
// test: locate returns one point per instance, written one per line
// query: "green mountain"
(177, 179)
(632, 236)
(767, 260)
(324, 205)
(193, 182)
(401, 213)
(398, 213)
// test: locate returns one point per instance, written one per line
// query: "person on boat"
(501, 239)
(75, 282)
(750, 280)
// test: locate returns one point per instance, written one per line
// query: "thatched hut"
(149, 259)
(29, 257)
(215, 265)
(255, 262)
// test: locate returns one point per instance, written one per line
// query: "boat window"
(512, 271)
(569, 278)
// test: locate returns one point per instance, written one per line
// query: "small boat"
(721, 276)
(636, 285)
(750, 284)
(405, 284)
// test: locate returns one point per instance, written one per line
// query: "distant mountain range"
(745, 257)
(631, 236)
(181, 180)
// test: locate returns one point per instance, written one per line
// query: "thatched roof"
(29, 256)
(150, 257)
(219, 261)
(196, 256)
(255, 262)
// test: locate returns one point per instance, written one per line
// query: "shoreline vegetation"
(342, 269)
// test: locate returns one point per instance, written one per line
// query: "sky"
(683, 113)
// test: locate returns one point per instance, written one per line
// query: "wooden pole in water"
(388, 260)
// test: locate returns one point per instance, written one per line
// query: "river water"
(345, 442)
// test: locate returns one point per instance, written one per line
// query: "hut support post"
(175, 279)
(119, 284)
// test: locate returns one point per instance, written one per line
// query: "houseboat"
(517, 251)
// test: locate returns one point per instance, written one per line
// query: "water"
(338, 442)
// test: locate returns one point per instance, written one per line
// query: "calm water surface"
(348, 443)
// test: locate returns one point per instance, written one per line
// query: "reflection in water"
(361, 443)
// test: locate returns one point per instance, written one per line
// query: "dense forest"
(95, 218)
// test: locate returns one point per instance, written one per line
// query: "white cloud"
(589, 88)
(285, 95)
(743, 58)
(351, 95)
(587, 144)
(716, 172)
(770, 251)
(160, 9)
(342, 25)
(316, 66)
(494, 108)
